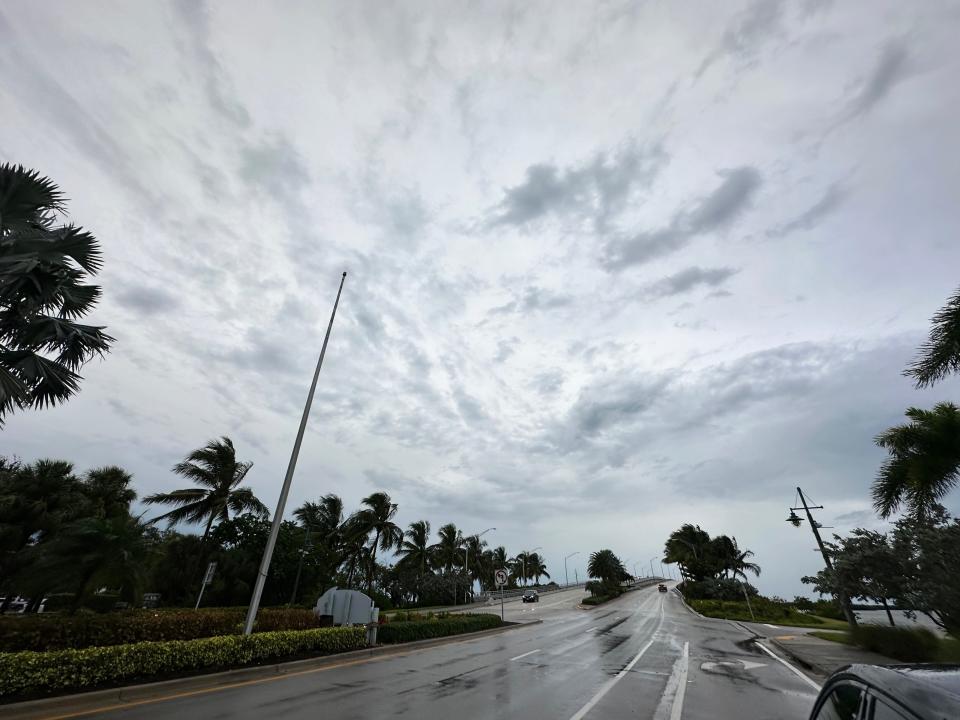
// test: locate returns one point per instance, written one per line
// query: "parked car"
(531, 596)
(661, 588)
(890, 692)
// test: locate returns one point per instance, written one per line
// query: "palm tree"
(377, 518)
(96, 552)
(44, 290)
(108, 490)
(923, 463)
(940, 354)
(324, 518)
(447, 551)
(739, 564)
(216, 470)
(474, 557)
(688, 547)
(36, 501)
(415, 549)
(536, 567)
(606, 567)
(519, 568)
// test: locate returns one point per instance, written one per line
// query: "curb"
(798, 659)
(88, 702)
(684, 601)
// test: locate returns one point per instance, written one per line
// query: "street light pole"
(795, 521)
(651, 565)
(288, 479)
(466, 560)
(566, 575)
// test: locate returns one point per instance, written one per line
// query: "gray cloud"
(714, 212)
(595, 191)
(49, 99)
(548, 382)
(147, 299)
(196, 17)
(687, 280)
(890, 69)
(505, 348)
(744, 36)
(829, 203)
(532, 299)
(275, 167)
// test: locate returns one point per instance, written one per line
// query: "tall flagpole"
(281, 504)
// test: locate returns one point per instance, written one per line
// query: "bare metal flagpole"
(281, 504)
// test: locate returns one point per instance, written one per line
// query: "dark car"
(661, 588)
(531, 596)
(890, 692)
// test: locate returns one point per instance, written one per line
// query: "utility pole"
(566, 575)
(287, 480)
(795, 521)
(466, 562)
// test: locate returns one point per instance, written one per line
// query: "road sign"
(211, 569)
(501, 577)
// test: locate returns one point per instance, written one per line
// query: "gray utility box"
(349, 607)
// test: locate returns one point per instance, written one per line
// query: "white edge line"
(677, 708)
(775, 627)
(779, 659)
(525, 655)
(607, 686)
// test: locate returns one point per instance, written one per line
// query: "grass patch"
(840, 637)
(764, 611)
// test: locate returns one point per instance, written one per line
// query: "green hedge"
(62, 632)
(398, 632)
(905, 644)
(38, 673)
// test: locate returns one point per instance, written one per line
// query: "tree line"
(710, 567)
(63, 533)
(915, 565)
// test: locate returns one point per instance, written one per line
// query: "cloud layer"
(597, 287)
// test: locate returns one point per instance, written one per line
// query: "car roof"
(929, 690)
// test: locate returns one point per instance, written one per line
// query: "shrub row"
(764, 609)
(597, 599)
(38, 673)
(906, 644)
(408, 631)
(61, 632)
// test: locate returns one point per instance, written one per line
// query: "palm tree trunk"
(889, 614)
(373, 561)
(206, 530)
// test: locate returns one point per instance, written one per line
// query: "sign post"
(500, 576)
(207, 579)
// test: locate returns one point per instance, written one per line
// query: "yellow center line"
(244, 683)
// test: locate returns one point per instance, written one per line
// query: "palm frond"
(26, 198)
(940, 354)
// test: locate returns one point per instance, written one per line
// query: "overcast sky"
(612, 266)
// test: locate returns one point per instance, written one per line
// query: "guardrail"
(494, 595)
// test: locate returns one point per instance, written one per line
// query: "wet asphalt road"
(641, 656)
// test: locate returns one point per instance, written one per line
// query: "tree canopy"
(45, 269)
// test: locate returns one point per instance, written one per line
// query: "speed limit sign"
(501, 577)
